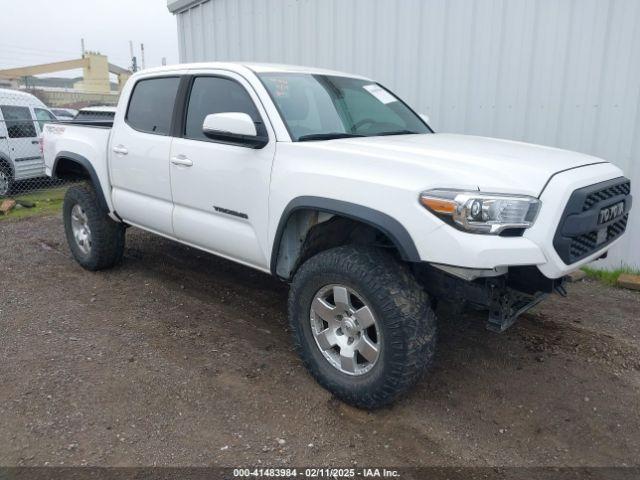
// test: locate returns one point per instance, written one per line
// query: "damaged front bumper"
(506, 293)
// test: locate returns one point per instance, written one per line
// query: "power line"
(18, 57)
(53, 55)
(21, 61)
(42, 50)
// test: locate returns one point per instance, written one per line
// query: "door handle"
(181, 160)
(120, 150)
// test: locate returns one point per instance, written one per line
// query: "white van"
(22, 117)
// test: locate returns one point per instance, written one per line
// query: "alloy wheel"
(80, 228)
(345, 329)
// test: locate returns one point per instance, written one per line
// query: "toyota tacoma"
(330, 182)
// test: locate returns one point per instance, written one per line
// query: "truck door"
(22, 141)
(139, 155)
(220, 190)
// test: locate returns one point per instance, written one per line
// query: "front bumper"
(448, 246)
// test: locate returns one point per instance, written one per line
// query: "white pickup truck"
(332, 183)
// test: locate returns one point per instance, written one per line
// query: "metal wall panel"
(564, 73)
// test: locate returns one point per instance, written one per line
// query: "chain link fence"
(23, 180)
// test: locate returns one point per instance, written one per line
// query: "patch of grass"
(47, 202)
(609, 277)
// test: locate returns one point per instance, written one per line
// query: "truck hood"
(488, 164)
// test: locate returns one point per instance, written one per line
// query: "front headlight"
(479, 212)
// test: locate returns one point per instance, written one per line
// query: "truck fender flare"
(388, 225)
(93, 176)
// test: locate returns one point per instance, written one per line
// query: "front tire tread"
(107, 236)
(409, 321)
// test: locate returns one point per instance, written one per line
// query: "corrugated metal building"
(564, 73)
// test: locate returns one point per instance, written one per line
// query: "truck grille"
(623, 188)
(583, 245)
(582, 230)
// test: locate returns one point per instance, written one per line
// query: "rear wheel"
(362, 324)
(95, 240)
(6, 180)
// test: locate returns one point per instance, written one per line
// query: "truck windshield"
(324, 107)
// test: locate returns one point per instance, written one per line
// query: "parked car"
(64, 113)
(22, 117)
(97, 114)
(332, 183)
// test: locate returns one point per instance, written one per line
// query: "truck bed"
(85, 141)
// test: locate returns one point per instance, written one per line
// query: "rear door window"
(18, 121)
(151, 105)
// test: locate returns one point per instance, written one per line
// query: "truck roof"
(241, 67)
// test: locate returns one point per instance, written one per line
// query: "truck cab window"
(151, 105)
(19, 121)
(218, 95)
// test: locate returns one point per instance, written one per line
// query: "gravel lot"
(180, 358)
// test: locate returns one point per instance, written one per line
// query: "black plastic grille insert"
(579, 234)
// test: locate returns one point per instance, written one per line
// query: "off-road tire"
(107, 236)
(402, 309)
(6, 171)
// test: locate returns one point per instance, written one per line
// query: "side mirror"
(235, 128)
(424, 117)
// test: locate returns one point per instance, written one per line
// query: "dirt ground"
(177, 357)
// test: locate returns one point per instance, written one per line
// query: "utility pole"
(82, 46)
(142, 56)
(134, 61)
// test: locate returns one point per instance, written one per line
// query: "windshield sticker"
(380, 93)
(281, 87)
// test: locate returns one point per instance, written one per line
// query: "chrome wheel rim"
(345, 329)
(80, 228)
(4, 183)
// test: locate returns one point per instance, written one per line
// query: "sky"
(42, 31)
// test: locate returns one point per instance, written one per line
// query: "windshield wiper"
(396, 132)
(327, 136)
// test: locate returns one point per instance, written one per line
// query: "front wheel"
(362, 324)
(95, 240)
